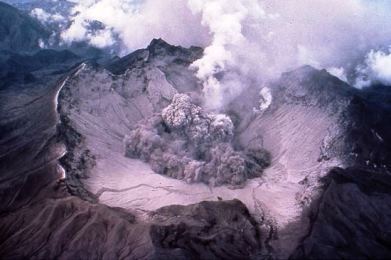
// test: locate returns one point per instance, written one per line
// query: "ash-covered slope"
(111, 105)
(308, 120)
(309, 127)
(41, 219)
(352, 217)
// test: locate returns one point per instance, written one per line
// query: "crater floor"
(293, 133)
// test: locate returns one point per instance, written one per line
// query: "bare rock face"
(208, 230)
(186, 143)
(59, 226)
(78, 160)
(352, 219)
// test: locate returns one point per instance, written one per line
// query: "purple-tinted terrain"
(149, 156)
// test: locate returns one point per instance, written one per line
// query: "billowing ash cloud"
(186, 143)
(249, 41)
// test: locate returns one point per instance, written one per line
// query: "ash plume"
(249, 42)
(186, 143)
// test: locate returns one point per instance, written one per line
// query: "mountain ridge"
(20, 32)
(288, 212)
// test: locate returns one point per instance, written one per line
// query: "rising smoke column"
(132, 24)
(247, 42)
(187, 143)
(375, 69)
(225, 20)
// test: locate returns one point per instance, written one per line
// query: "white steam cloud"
(376, 69)
(133, 24)
(46, 17)
(249, 41)
(338, 72)
(226, 21)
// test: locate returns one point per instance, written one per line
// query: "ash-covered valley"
(107, 157)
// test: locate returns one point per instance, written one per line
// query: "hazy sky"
(248, 39)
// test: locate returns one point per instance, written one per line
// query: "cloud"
(376, 69)
(102, 38)
(254, 41)
(226, 22)
(46, 17)
(247, 42)
(136, 23)
(338, 72)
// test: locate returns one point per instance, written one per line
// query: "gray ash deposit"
(186, 143)
(106, 205)
(154, 110)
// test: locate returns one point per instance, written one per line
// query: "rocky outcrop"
(78, 160)
(159, 52)
(352, 219)
(59, 226)
(208, 230)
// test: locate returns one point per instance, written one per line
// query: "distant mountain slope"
(11, 61)
(18, 31)
(18, 68)
(58, 6)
